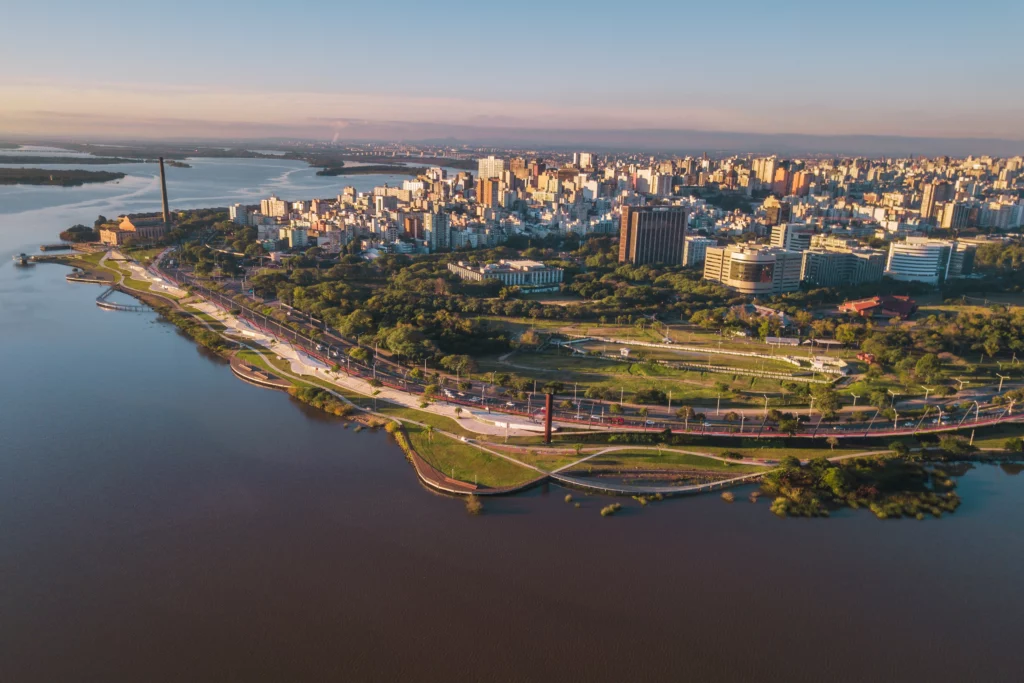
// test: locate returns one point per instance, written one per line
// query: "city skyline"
(512, 74)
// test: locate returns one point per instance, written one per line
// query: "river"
(162, 521)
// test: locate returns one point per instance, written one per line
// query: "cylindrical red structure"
(548, 401)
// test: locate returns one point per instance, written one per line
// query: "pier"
(102, 302)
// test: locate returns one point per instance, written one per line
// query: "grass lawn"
(433, 419)
(642, 459)
(616, 376)
(993, 437)
(465, 462)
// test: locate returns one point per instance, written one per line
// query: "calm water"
(162, 521)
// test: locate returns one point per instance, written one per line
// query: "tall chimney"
(163, 193)
(548, 409)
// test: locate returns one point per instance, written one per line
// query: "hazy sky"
(109, 67)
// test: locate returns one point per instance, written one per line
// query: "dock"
(63, 246)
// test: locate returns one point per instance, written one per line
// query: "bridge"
(103, 303)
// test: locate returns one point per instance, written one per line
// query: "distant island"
(34, 159)
(370, 170)
(39, 176)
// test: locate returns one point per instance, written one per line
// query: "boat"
(23, 260)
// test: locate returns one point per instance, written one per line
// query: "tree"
(826, 400)
(732, 416)
(615, 409)
(360, 354)
(789, 462)
(1014, 444)
(928, 367)
(836, 479)
(954, 445)
(643, 412)
(832, 442)
(458, 411)
(899, 449)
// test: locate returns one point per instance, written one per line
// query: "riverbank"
(446, 459)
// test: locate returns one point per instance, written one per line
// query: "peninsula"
(39, 176)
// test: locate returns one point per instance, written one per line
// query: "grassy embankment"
(466, 462)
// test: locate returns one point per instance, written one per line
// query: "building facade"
(652, 234)
(695, 248)
(920, 259)
(754, 270)
(525, 274)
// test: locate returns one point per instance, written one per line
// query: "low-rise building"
(881, 307)
(526, 274)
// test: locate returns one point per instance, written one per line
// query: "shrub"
(473, 505)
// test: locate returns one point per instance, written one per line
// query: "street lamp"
(765, 404)
(926, 392)
(855, 397)
(1001, 378)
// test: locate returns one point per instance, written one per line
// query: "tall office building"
(754, 270)
(488, 192)
(695, 249)
(652, 234)
(955, 215)
(800, 183)
(792, 236)
(436, 230)
(583, 159)
(780, 184)
(491, 167)
(274, 207)
(934, 193)
(776, 211)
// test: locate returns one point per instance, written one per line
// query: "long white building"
(920, 259)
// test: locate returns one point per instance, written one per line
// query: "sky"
(109, 68)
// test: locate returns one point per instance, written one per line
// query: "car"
(649, 423)
(510, 404)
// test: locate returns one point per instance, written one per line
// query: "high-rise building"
(919, 259)
(932, 194)
(661, 184)
(776, 211)
(488, 192)
(695, 249)
(239, 214)
(955, 215)
(491, 167)
(754, 270)
(800, 183)
(792, 236)
(652, 234)
(437, 230)
(274, 207)
(780, 184)
(583, 159)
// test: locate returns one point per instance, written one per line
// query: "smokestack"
(548, 400)
(163, 193)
